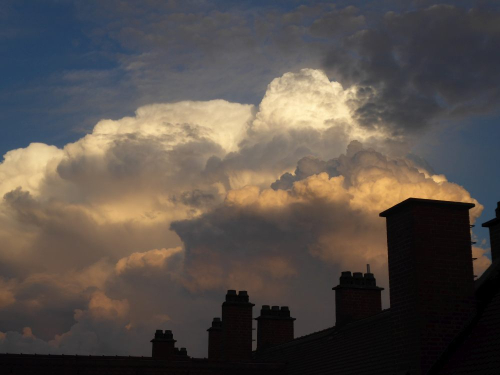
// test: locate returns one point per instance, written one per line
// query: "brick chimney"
(274, 326)
(215, 340)
(356, 297)
(163, 345)
(494, 227)
(237, 327)
(181, 354)
(430, 277)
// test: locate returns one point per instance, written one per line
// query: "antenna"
(368, 268)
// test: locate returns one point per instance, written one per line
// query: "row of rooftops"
(340, 345)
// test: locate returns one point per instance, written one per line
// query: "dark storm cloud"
(411, 68)
(338, 21)
(417, 67)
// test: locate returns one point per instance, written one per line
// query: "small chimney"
(430, 277)
(356, 297)
(164, 345)
(181, 354)
(494, 227)
(237, 327)
(215, 340)
(274, 326)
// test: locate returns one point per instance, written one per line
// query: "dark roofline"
(136, 362)
(485, 288)
(491, 275)
(310, 336)
(490, 222)
(325, 332)
(427, 202)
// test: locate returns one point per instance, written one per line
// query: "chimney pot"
(216, 323)
(231, 296)
(243, 296)
(285, 311)
(168, 335)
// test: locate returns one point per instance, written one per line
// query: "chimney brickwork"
(494, 228)
(274, 326)
(237, 327)
(164, 345)
(356, 297)
(430, 277)
(215, 340)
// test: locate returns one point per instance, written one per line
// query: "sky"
(158, 153)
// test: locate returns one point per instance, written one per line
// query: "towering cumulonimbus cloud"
(327, 211)
(146, 221)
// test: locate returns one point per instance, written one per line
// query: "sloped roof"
(361, 347)
(477, 350)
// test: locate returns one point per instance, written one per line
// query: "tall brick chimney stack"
(430, 277)
(215, 340)
(274, 326)
(356, 297)
(237, 327)
(163, 345)
(494, 227)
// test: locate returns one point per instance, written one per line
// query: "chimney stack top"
(357, 280)
(427, 202)
(240, 297)
(216, 324)
(275, 312)
(160, 336)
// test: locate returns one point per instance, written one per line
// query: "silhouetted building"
(274, 326)
(356, 297)
(494, 227)
(215, 340)
(237, 327)
(164, 345)
(441, 321)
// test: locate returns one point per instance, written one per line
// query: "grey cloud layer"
(415, 66)
(418, 67)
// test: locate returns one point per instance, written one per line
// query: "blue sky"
(180, 181)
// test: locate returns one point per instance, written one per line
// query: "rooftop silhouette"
(441, 320)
